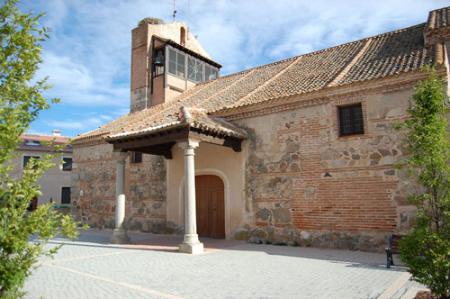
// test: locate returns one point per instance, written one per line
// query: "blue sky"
(87, 57)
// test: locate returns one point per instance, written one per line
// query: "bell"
(159, 59)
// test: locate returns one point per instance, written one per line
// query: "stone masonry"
(307, 186)
(94, 190)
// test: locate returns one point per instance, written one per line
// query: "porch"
(177, 142)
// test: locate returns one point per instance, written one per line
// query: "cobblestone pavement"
(151, 268)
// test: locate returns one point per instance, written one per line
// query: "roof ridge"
(232, 84)
(315, 52)
(267, 81)
(46, 135)
(354, 60)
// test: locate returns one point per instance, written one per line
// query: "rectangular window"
(172, 61)
(177, 63)
(65, 195)
(210, 73)
(191, 68)
(136, 157)
(67, 164)
(351, 120)
(200, 71)
(26, 159)
(180, 65)
(195, 70)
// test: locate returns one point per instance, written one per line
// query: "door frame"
(226, 186)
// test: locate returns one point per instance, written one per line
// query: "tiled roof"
(439, 18)
(44, 143)
(45, 138)
(194, 118)
(376, 57)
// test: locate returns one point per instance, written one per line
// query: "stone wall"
(93, 189)
(306, 185)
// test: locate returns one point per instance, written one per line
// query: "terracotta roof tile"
(45, 138)
(439, 18)
(192, 117)
(387, 54)
(390, 54)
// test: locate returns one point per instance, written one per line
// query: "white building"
(55, 183)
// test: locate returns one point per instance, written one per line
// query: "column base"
(120, 236)
(191, 244)
(195, 248)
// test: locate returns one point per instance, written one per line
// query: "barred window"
(136, 157)
(351, 120)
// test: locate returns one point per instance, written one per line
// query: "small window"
(65, 195)
(33, 204)
(172, 61)
(136, 157)
(182, 36)
(32, 142)
(351, 120)
(26, 159)
(67, 164)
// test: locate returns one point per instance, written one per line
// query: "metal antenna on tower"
(174, 10)
(189, 11)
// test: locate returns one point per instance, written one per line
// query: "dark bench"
(393, 248)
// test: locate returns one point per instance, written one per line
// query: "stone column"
(191, 243)
(119, 234)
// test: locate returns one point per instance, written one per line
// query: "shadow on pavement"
(169, 243)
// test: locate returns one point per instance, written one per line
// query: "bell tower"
(166, 59)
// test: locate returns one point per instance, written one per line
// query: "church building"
(302, 151)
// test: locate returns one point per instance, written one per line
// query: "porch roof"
(188, 123)
(193, 118)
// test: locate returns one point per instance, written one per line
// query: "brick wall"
(309, 186)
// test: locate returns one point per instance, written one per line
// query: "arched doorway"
(210, 205)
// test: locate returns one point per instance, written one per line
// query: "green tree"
(426, 249)
(23, 235)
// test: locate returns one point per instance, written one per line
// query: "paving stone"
(92, 268)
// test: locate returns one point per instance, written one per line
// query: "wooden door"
(210, 206)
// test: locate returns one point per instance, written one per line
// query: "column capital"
(120, 157)
(189, 144)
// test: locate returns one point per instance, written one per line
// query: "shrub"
(426, 249)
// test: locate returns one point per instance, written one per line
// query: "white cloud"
(88, 54)
(82, 123)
